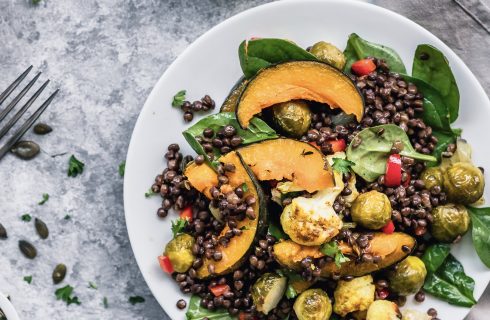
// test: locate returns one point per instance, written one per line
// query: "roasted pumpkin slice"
(289, 159)
(231, 101)
(307, 80)
(387, 246)
(238, 247)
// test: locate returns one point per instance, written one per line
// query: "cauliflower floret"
(410, 314)
(383, 310)
(354, 295)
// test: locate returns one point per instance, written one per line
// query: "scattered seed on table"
(26, 150)
(27, 249)
(3, 232)
(42, 128)
(41, 228)
(59, 273)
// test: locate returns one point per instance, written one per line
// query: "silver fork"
(15, 118)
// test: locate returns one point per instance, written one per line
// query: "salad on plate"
(330, 185)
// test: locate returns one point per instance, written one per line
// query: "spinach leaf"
(276, 231)
(435, 255)
(371, 155)
(357, 48)
(258, 130)
(480, 221)
(451, 284)
(196, 312)
(443, 140)
(430, 65)
(260, 53)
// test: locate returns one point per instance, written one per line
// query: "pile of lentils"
(224, 140)
(205, 104)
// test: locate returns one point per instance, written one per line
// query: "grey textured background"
(106, 55)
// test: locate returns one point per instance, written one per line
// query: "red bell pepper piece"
(166, 264)
(393, 176)
(186, 213)
(389, 228)
(219, 289)
(337, 145)
(363, 67)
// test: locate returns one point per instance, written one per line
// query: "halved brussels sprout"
(432, 177)
(313, 304)
(293, 117)
(179, 251)
(383, 310)
(450, 221)
(267, 291)
(371, 210)
(408, 276)
(328, 53)
(463, 183)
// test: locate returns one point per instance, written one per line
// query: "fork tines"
(16, 117)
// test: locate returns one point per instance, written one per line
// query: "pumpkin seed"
(59, 273)
(27, 249)
(3, 232)
(42, 128)
(26, 149)
(41, 228)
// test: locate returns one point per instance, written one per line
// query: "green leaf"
(257, 54)
(178, 98)
(371, 155)
(67, 217)
(105, 302)
(290, 292)
(136, 299)
(358, 49)
(451, 284)
(258, 130)
(75, 166)
(65, 294)
(45, 198)
(196, 312)
(435, 255)
(122, 168)
(178, 226)
(244, 187)
(276, 231)
(430, 65)
(342, 166)
(26, 217)
(150, 193)
(28, 279)
(332, 249)
(92, 285)
(480, 221)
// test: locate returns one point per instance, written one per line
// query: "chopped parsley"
(122, 168)
(28, 279)
(26, 217)
(136, 299)
(75, 166)
(149, 193)
(178, 226)
(105, 302)
(244, 187)
(342, 165)
(45, 198)
(65, 294)
(92, 285)
(290, 292)
(67, 217)
(179, 98)
(332, 249)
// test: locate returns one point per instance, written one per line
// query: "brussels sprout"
(432, 177)
(267, 291)
(371, 210)
(354, 295)
(179, 251)
(408, 276)
(313, 304)
(293, 117)
(383, 310)
(450, 221)
(463, 183)
(328, 53)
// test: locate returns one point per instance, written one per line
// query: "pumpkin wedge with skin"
(238, 247)
(231, 101)
(289, 159)
(387, 246)
(306, 80)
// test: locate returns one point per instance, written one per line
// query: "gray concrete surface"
(106, 55)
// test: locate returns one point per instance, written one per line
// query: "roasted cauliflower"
(354, 295)
(383, 310)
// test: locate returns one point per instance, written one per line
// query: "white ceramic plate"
(210, 66)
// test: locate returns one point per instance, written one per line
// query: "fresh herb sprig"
(332, 250)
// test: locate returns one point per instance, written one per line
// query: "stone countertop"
(105, 56)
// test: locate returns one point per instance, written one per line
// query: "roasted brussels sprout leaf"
(376, 142)
(435, 256)
(480, 221)
(451, 284)
(430, 65)
(196, 312)
(358, 48)
(259, 53)
(258, 130)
